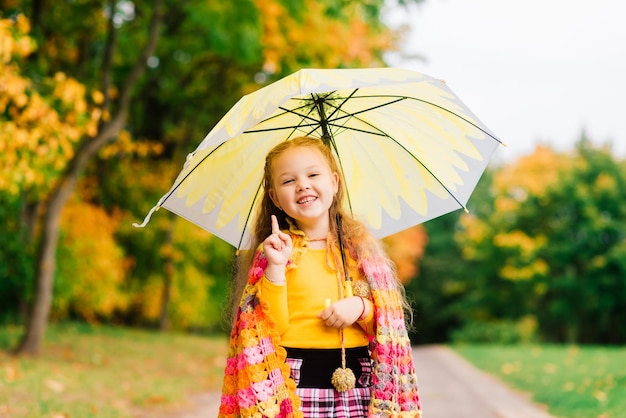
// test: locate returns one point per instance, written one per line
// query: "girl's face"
(303, 186)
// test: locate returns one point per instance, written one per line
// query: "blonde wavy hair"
(356, 238)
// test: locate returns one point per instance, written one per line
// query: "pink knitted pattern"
(256, 379)
(394, 382)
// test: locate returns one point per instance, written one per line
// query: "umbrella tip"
(147, 218)
(465, 209)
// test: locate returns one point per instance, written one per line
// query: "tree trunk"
(44, 272)
(46, 256)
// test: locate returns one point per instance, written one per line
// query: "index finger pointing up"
(275, 227)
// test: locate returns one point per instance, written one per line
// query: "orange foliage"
(529, 176)
(91, 268)
(329, 43)
(406, 248)
(124, 145)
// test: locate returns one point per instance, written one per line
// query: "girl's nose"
(303, 184)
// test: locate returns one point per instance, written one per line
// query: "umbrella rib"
(420, 162)
(249, 215)
(303, 117)
(337, 108)
(279, 128)
(430, 172)
(176, 186)
(383, 133)
(314, 125)
(458, 116)
(350, 128)
(348, 115)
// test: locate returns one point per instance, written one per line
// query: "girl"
(319, 330)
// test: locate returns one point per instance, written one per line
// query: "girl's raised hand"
(277, 248)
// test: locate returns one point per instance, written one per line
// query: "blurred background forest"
(100, 102)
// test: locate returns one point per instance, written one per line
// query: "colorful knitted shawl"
(256, 379)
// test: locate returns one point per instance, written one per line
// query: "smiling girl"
(319, 330)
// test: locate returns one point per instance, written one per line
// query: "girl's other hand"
(342, 313)
(277, 248)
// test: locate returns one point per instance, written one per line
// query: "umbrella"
(409, 149)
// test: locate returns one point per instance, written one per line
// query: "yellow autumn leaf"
(37, 137)
(97, 97)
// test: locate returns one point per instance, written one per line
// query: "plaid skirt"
(312, 370)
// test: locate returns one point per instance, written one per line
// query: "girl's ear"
(272, 196)
(335, 182)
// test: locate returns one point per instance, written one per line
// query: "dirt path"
(450, 387)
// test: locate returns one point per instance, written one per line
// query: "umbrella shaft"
(319, 102)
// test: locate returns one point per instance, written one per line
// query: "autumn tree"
(67, 52)
(92, 58)
(200, 71)
(41, 123)
(556, 236)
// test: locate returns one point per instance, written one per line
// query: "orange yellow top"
(295, 306)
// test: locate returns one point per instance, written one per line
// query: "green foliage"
(572, 381)
(208, 52)
(233, 32)
(449, 289)
(439, 285)
(586, 221)
(544, 236)
(557, 236)
(497, 332)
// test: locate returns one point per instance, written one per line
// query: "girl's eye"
(287, 181)
(314, 174)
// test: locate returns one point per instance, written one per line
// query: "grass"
(572, 381)
(107, 372)
(97, 371)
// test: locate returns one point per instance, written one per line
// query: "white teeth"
(307, 200)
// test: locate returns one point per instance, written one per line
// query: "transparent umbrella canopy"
(408, 148)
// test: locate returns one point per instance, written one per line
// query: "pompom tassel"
(343, 379)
